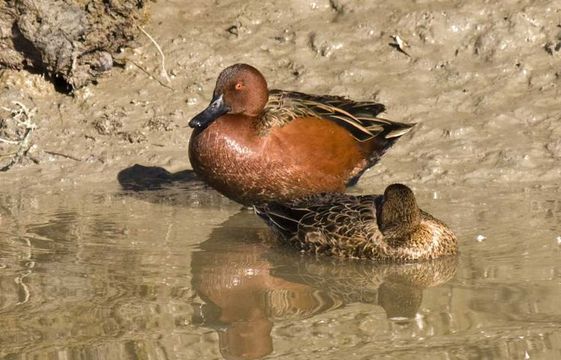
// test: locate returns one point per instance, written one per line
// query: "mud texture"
(71, 41)
(481, 80)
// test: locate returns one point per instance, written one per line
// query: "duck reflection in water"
(247, 282)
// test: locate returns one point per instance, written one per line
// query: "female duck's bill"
(388, 227)
(254, 145)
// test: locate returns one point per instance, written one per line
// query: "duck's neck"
(237, 126)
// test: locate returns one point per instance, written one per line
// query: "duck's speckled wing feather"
(334, 224)
(346, 226)
(360, 118)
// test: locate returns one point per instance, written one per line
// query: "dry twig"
(399, 44)
(56, 153)
(164, 73)
(23, 117)
(150, 75)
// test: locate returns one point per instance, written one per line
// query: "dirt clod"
(69, 40)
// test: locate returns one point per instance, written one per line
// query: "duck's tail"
(387, 134)
(281, 218)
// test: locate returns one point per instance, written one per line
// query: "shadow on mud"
(157, 185)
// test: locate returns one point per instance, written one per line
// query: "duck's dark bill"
(216, 109)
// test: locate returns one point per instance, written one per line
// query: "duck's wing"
(341, 220)
(284, 217)
(337, 224)
(360, 118)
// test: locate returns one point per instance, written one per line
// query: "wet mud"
(480, 80)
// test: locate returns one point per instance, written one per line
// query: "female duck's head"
(240, 89)
(398, 213)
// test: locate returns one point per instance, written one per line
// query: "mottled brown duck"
(388, 227)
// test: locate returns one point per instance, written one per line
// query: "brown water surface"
(181, 274)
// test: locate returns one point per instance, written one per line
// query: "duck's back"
(372, 135)
(331, 224)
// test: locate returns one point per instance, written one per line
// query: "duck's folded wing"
(339, 221)
(359, 118)
(323, 219)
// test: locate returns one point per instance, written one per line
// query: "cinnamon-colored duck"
(388, 228)
(254, 145)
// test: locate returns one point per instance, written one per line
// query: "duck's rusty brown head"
(240, 89)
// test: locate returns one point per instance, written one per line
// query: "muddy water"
(82, 276)
(88, 270)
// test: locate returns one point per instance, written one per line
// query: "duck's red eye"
(239, 86)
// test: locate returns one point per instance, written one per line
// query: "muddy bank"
(71, 41)
(481, 80)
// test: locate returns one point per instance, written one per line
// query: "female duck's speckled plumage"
(254, 145)
(387, 227)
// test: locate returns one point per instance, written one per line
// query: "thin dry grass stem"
(24, 118)
(163, 71)
(56, 153)
(9, 141)
(150, 75)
